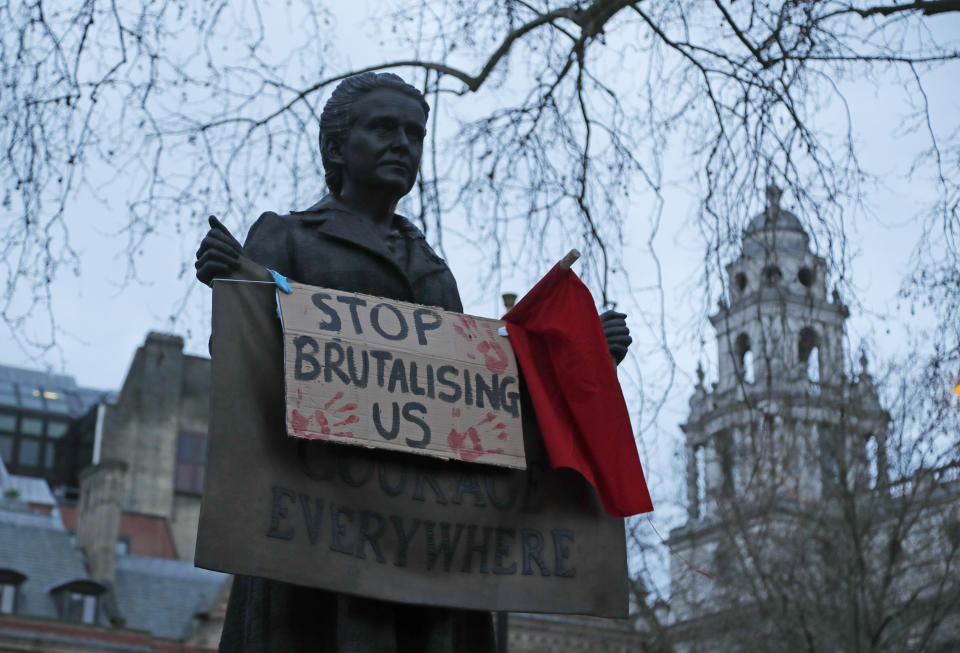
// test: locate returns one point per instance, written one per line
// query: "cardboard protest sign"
(384, 374)
(369, 522)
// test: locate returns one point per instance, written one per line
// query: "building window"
(772, 275)
(741, 281)
(8, 428)
(808, 353)
(123, 545)
(8, 394)
(10, 581)
(80, 607)
(873, 454)
(31, 426)
(806, 277)
(813, 369)
(700, 465)
(29, 454)
(191, 458)
(744, 358)
(56, 429)
(8, 598)
(78, 600)
(808, 341)
(748, 362)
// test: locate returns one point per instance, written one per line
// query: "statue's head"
(358, 100)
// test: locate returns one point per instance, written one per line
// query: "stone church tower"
(783, 424)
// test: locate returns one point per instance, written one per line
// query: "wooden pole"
(569, 259)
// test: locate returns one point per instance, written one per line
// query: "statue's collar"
(327, 203)
(321, 211)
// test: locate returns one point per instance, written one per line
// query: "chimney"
(98, 516)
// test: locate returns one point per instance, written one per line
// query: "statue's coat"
(330, 246)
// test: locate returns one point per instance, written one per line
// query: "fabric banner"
(386, 524)
(559, 342)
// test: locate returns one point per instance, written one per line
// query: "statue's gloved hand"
(617, 334)
(221, 255)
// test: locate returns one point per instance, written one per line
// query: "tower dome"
(774, 227)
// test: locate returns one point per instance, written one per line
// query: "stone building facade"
(158, 427)
(109, 565)
(787, 454)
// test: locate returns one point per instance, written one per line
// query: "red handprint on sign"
(458, 440)
(300, 423)
(494, 355)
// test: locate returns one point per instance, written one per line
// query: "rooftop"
(45, 391)
(25, 488)
(38, 547)
(153, 595)
(163, 596)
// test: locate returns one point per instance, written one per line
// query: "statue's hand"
(617, 333)
(219, 253)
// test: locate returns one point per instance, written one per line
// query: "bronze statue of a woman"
(371, 141)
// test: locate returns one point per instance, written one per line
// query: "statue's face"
(383, 147)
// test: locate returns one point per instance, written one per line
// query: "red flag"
(558, 339)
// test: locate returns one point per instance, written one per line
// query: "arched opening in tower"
(806, 276)
(745, 358)
(808, 350)
(772, 275)
(741, 281)
(700, 469)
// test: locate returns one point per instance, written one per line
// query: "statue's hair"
(338, 116)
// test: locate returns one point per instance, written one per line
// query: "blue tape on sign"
(281, 281)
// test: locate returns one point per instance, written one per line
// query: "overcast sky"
(104, 318)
